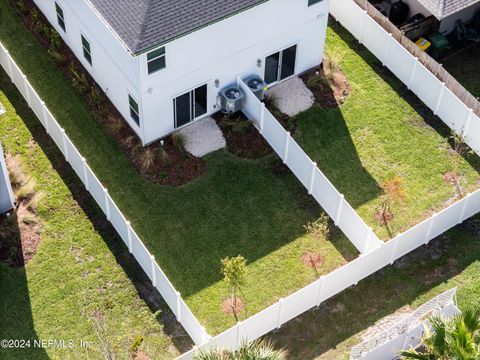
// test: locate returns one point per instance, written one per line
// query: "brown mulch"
(451, 177)
(381, 219)
(328, 96)
(20, 245)
(244, 143)
(227, 306)
(181, 167)
(312, 259)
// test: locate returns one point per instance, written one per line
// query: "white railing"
(446, 105)
(102, 197)
(306, 170)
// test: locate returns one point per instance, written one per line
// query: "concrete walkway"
(203, 137)
(291, 96)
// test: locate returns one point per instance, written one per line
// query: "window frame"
(88, 51)
(161, 56)
(60, 17)
(132, 110)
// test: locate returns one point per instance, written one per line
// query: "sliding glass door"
(190, 106)
(280, 65)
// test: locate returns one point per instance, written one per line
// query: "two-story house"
(162, 63)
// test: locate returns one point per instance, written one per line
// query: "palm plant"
(456, 338)
(256, 350)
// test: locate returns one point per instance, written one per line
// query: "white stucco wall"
(229, 48)
(415, 8)
(220, 51)
(113, 68)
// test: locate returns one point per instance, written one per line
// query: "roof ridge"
(144, 24)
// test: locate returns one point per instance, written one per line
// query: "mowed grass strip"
(239, 207)
(74, 288)
(382, 131)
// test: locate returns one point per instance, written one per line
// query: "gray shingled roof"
(143, 24)
(443, 8)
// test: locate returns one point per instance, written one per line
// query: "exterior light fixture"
(217, 83)
(259, 63)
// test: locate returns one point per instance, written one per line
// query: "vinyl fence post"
(279, 315)
(154, 276)
(64, 143)
(368, 237)
(205, 336)
(412, 73)
(357, 270)
(84, 166)
(27, 93)
(179, 309)
(467, 123)
(364, 25)
(394, 250)
(44, 114)
(386, 54)
(312, 177)
(287, 142)
(129, 236)
(439, 99)
(430, 228)
(262, 118)
(47, 119)
(464, 208)
(339, 209)
(320, 287)
(107, 205)
(9, 65)
(238, 340)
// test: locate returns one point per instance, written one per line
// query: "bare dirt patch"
(228, 306)
(242, 137)
(451, 177)
(383, 217)
(329, 94)
(312, 259)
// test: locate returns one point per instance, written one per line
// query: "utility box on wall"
(6, 193)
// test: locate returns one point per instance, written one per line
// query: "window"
(134, 112)
(313, 2)
(280, 65)
(190, 106)
(60, 17)
(87, 54)
(156, 60)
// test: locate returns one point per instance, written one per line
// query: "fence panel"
(376, 39)
(75, 159)
(352, 18)
(473, 205)
(166, 289)
(339, 280)
(299, 163)
(299, 302)
(473, 134)
(447, 219)
(191, 324)
(325, 193)
(426, 86)
(453, 112)
(261, 323)
(354, 227)
(229, 339)
(36, 104)
(141, 254)
(411, 239)
(253, 107)
(376, 259)
(96, 189)
(117, 220)
(17, 78)
(400, 61)
(55, 132)
(274, 133)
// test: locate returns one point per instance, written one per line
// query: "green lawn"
(464, 67)
(81, 273)
(329, 331)
(380, 132)
(238, 207)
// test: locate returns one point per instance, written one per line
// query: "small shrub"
(179, 140)
(33, 202)
(37, 24)
(332, 63)
(233, 270)
(147, 159)
(128, 142)
(26, 191)
(53, 38)
(320, 228)
(394, 192)
(314, 81)
(16, 175)
(163, 156)
(115, 124)
(137, 342)
(256, 350)
(58, 57)
(95, 98)
(28, 219)
(80, 81)
(21, 6)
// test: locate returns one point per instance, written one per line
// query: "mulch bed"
(242, 140)
(227, 306)
(326, 95)
(383, 218)
(312, 259)
(181, 167)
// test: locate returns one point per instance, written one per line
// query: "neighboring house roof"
(443, 8)
(143, 24)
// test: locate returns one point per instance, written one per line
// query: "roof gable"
(143, 24)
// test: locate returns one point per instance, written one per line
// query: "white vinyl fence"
(447, 106)
(100, 194)
(317, 184)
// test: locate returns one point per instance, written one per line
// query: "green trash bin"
(439, 45)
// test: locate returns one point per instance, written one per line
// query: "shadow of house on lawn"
(16, 321)
(330, 329)
(146, 291)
